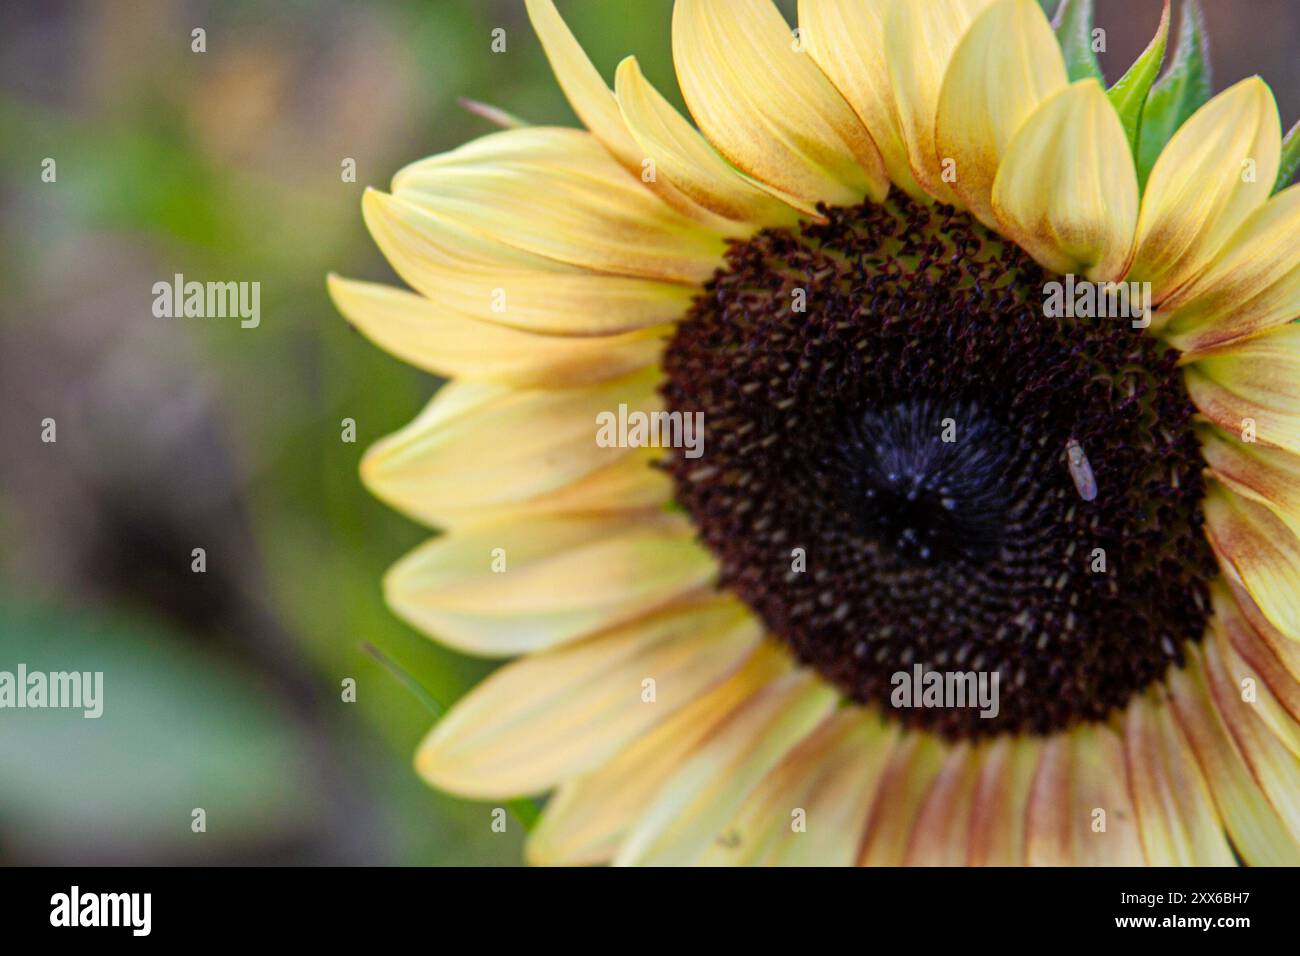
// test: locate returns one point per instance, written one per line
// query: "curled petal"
(1218, 169)
(1252, 286)
(685, 158)
(1066, 191)
(768, 108)
(922, 38)
(1252, 387)
(1007, 64)
(847, 39)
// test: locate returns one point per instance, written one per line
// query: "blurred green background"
(223, 689)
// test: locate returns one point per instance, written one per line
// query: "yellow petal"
(1049, 831)
(589, 816)
(1251, 821)
(556, 193)
(1066, 191)
(913, 766)
(768, 108)
(688, 814)
(847, 39)
(1080, 811)
(921, 41)
(1007, 63)
(1218, 168)
(685, 158)
(592, 100)
(490, 280)
(1272, 760)
(1177, 821)
(941, 835)
(1265, 475)
(484, 446)
(1255, 383)
(1266, 639)
(630, 484)
(438, 339)
(550, 716)
(997, 816)
(564, 578)
(1246, 654)
(812, 808)
(1260, 551)
(586, 92)
(1250, 287)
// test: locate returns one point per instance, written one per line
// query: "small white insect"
(1080, 471)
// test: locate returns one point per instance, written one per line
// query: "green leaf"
(1129, 94)
(1290, 158)
(1180, 92)
(180, 728)
(1073, 24)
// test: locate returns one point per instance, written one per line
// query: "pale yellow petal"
(912, 769)
(1269, 476)
(1252, 388)
(550, 716)
(503, 445)
(1260, 551)
(1250, 287)
(1216, 170)
(589, 816)
(487, 279)
(438, 339)
(997, 816)
(1080, 810)
(1177, 821)
(1067, 191)
(592, 100)
(1007, 63)
(633, 483)
(767, 107)
(586, 92)
(1257, 832)
(1267, 648)
(689, 813)
(513, 587)
(941, 835)
(1049, 831)
(1101, 782)
(1254, 725)
(811, 810)
(685, 158)
(847, 39)
(921, 39)
(556, 193)
(1255, 669)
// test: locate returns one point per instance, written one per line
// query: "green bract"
(1074, 24)
(1129, 95)
(1151, 111)
(1179, 93)
(1290, 158)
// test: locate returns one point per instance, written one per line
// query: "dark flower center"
(909, 462)
(931, 500)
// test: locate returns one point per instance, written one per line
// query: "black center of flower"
(932, 500)
(910, 464)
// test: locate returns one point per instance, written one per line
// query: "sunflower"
(910, 465)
